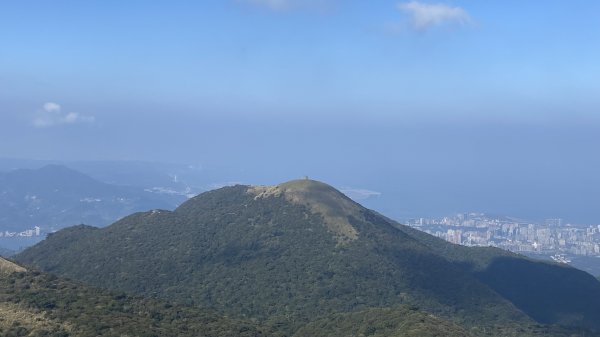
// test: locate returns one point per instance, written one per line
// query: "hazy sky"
(498, 100)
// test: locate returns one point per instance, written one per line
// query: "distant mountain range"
(140, 174)
(306, 260)
(55, 197)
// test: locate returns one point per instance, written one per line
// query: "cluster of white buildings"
(36, 231)
(477, 229)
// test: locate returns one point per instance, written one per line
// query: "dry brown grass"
(7, 267)
(14, 315)
(319, 198)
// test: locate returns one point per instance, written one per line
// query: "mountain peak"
(52, 173)
(55, 167)
(308, 187)
(320, 198)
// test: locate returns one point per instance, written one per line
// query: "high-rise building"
(554, 222)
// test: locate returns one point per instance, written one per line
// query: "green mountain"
(37, 304)
(300, 252)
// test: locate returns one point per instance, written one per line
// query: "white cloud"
(51, 107)
(359, 193)
(426, 16)
(51, 114)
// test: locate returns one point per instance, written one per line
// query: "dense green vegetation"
(382, 322)
(408, 321)
(37, 304)
(289, 259)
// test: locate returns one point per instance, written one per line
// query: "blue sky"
(504, 94)
(508, 59)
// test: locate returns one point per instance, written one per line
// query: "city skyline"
(517, 235)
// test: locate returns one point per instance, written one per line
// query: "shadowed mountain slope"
(296, 252)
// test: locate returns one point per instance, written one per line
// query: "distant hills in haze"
(410, 190)
(306, 260)
(6, 252)
(140, 174)
(54, 196)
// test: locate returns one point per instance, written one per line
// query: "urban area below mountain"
(552, 237)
